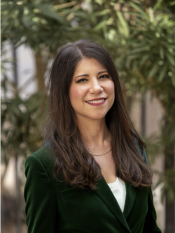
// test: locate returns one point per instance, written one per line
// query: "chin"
(97, 116)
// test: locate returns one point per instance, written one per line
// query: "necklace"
(100, 154)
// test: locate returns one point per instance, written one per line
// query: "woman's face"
(92, 90)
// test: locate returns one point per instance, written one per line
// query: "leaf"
(161, 52)
(139, 9)
(172, 3)
(65, 5)
(151, 15)
(124, 26)
(48, 11)
(136, 1)
(171, 59)
(173, 80)
(109, 21)
(157, 5)
(100, 25)
(134, 56)
(163, 72)
(100, 2)
(140, 49)
(144, 59)
(104, 12)
(153, 70)
(128, 61)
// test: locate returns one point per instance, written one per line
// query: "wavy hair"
(72, 160)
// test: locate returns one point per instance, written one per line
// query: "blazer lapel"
(105, 194)
(130, 199)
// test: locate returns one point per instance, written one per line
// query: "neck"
(94, 133)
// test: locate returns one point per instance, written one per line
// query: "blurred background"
(140, 37)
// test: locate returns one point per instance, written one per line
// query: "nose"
(95, 87)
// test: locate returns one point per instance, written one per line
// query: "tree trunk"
(18, 191)
(40, 70)
(143, 116)
(2, 178)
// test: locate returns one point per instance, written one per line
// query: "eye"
(104, 76)
(82, 80)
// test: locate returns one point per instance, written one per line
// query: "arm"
(40, 198)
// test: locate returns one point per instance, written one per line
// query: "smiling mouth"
(96, 101)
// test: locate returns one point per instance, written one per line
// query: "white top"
(119, 190)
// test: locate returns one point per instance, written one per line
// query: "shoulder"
(43, 158)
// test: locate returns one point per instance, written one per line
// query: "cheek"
(76, 94)
(110, 88)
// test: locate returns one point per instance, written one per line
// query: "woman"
(92, 174)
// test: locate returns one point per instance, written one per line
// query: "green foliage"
(21, 134)
(40, 24)
(167, 181)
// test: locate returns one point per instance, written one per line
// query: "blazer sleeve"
(150, 224)
(40, 198)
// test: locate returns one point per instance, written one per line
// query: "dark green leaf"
(48, 11)
(153, 70)
(163, 72)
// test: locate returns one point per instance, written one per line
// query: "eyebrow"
(85, 75)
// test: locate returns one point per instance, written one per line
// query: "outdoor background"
(140, 37)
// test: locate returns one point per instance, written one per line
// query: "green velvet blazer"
(55, 207)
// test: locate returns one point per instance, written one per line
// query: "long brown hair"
(72, 160)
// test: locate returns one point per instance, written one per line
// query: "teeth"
(96, 101)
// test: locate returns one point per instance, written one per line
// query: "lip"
(97, 104)
(97, 99)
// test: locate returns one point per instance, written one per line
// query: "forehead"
(88, 65)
